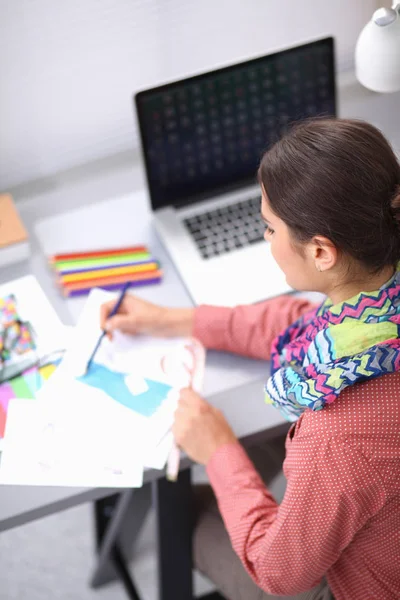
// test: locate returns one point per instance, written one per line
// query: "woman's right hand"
(136, 316)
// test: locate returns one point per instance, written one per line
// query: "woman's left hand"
(199, 428)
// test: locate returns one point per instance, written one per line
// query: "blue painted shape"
(33, 380)
(113, 384)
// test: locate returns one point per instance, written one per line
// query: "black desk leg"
(118, 520)
(124, 574)
(173, 502)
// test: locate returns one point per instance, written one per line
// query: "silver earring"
(318, 268)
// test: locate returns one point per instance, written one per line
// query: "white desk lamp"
(378, 51)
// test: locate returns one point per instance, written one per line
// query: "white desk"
(225, 375)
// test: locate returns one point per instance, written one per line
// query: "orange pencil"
(106, 282)
(110, 272)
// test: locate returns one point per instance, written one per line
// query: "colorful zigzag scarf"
(333, 347)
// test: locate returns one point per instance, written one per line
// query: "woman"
(331, 205)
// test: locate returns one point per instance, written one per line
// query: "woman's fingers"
(105, 310)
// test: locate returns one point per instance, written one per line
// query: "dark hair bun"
(395, 205)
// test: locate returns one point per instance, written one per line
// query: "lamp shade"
(377, 55)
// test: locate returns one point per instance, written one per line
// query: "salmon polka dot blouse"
(340, 516)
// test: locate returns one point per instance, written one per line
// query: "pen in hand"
(112, 313)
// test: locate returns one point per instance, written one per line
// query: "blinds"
(68, 69)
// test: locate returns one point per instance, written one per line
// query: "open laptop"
(202, 140)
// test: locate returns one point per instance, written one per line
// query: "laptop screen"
(205, 135)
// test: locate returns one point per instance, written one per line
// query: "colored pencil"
(111, 280)
(112, 313)
(78, 272)
(98, 262)
(111, 287)
(78, 269)
(94, 253)
(113, 272)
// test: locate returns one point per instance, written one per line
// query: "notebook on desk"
(202, 139)
(14, 239)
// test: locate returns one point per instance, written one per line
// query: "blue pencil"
(112, 313)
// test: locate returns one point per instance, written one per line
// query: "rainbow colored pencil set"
(77, 273)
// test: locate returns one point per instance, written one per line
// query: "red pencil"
(97, 253)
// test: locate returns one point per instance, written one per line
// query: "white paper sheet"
(50, 335)
(39, 450)
(157, 457)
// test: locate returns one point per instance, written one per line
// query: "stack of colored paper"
(77, 273)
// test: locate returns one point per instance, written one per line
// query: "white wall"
(68, 68)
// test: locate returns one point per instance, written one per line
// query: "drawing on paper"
(26, 386)
(16, 336)
(158, 370)
(141, 395)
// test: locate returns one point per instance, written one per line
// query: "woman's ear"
(324, 253)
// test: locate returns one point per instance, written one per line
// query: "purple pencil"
(111, 287)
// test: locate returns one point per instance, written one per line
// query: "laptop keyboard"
(225, 229)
